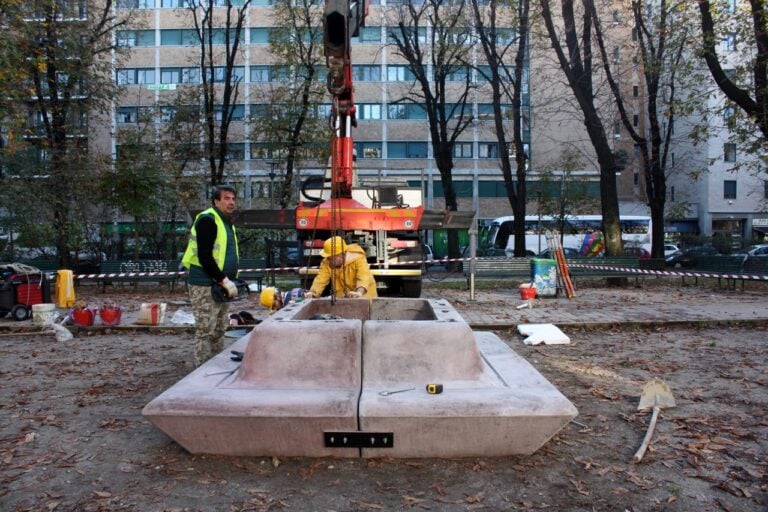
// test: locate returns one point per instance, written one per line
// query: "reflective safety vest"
(219, 245)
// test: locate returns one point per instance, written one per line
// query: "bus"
(582, 233)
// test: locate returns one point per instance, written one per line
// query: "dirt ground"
(72, 436)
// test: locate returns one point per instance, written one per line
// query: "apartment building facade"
(392, 138)
(716, 186)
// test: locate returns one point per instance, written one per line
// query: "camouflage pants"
(211, 321)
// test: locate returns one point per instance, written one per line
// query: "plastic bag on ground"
(181, 317)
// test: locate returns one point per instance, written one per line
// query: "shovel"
(656, 394)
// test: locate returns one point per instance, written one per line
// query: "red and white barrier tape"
(672, 273)
(639, 271)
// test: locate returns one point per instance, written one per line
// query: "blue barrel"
(544, 276)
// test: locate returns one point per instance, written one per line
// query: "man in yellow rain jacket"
(346, 266)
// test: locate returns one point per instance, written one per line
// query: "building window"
(765, 189)
(134, 76)
(136, 4)
(506, 36)
(729, 189)
(130, 38)
(617, 130)
(170, 75)
(190, 75)
(728, 112)
(238, 113)
(616, 55)
(366, 73)
(462, 74)
(260, 35)
(394, 34)
(368, 149)
(259, 74)
(634, 34)
(406, 111)
(126, 115)
(323, 110)
(367, 111)
(488, 150)
(635, 120)
(399, 74)
(462, 150)
(616, 17)
(369, 35)
(729, 152)
(219, 73)
(729, 42)
(407, 149)
(635, 91)
(260, 151)
(179, 37)
(672, 193)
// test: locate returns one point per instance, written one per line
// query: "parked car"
(569, 252)
(290, 258)
(669, 249)
(429, 255)
(758, 250)
(637, 252)
(689, 257)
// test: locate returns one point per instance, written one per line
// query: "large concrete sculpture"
(348, 378)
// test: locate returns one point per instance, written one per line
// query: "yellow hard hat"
(267, 297)
(333, 246)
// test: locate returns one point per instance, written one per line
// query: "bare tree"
(293, 126)
(744, 82)
(662, 37)
(220, 31)
(60, 66)
(506, 84)
(149, 182)
(576, 60)
(435, 40)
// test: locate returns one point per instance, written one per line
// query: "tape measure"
(434, 389)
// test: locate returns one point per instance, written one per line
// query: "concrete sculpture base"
(319, 371)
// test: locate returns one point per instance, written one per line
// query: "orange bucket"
(527, 291)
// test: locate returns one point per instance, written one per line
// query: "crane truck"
(383, 218)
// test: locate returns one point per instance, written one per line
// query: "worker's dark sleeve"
(206, 236)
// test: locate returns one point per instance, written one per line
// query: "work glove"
(230, 287)
(354, 295)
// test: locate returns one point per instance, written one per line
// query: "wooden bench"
(254, 275)
(500, 268)
(170, 268)
(721, 265)
(756, 266)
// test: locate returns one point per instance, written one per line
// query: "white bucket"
(43, 313)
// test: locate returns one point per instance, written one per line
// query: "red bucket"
(82, 317)
(110, 315)
(527, 291)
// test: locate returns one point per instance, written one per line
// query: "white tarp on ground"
(549, 334)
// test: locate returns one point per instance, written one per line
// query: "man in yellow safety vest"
(212, 257)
